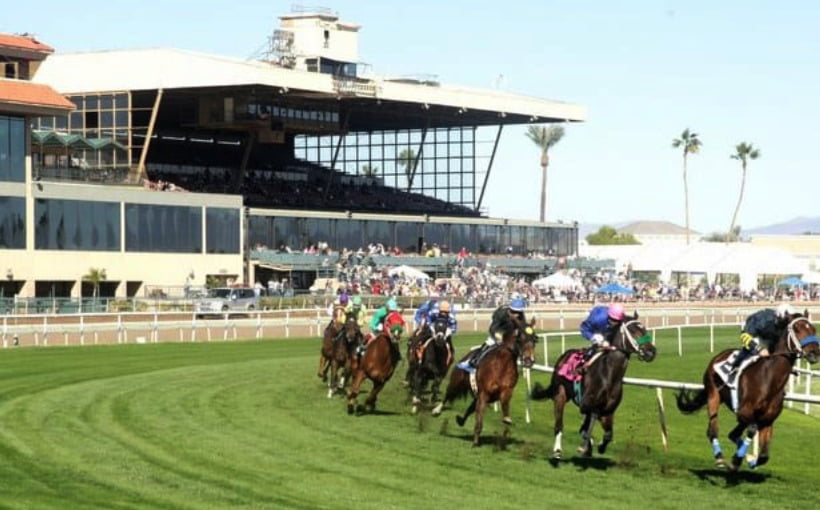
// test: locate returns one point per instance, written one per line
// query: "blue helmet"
(391, 305)
(518, 304)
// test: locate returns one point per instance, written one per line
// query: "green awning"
(74, 141)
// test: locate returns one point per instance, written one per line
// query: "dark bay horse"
(495, 378)
(326, 353)
(601, 385)
(430, 360)
(761, 391)
(342, 358)
(377, 364)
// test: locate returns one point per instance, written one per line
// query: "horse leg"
(743, 446)
(370, 403)
(353, 394)
(479, 418)
(586, 434)
(506, 419)
(559, 401)
(323, 366)
(607, 425)
(764, 437)
(461, 419)
(712, 429)
(418, 388)
(453, 388)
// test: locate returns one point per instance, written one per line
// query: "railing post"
(563, 342)
(119, 328)
(225, 328)
(155, 329)
(5, 333)
(82, 330)
(561, 320)
(807, 406)
(680, 342)
(287, 324)
(258, 325)
(712, 337)
(193, 327)
(45, 331)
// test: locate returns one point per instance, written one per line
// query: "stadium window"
(106, 102)
(121, 118)
(121, 101)
(92, 120)
(11, 70)
(78, 101)
(92, 102)
(107, 119)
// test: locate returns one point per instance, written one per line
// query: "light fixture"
(9, 274)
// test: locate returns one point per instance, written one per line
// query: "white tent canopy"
(408, 272)
(746, 260)
(811, 277)
(558, 280)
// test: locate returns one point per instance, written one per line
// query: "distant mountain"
(796, 226)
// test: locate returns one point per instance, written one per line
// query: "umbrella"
(557, 280)
(614, 288)
(409, 272)
(792, 281)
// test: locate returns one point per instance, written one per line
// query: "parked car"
(227, 299)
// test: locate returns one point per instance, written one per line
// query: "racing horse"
(430, 361)
(377, 364)
(495, 378)
(344, 360)
(326, 354)
(601, 385)
(760, 392)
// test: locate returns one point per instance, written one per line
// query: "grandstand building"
(168, 166)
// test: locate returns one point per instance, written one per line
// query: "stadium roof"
(654, 228)
(168, 69)
(24, 46)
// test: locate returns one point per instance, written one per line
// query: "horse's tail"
(689, 402)
(540, 392)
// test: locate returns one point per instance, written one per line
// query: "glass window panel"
(107, 119)
(76, 225)
(163, 228)
(106, 102)
(121, 101)
(12, 223)
(408, 236)
(222, 230)
(92, 102)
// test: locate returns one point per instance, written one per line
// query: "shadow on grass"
(584, 463)
(722, 477)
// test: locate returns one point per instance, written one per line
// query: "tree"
(407, 159)
(545, 138)
(608, 235)
(95, 276)
(370, 170)
(723, 237)
(690, 144)
(743, 153)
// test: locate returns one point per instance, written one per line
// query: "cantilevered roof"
(168, 69)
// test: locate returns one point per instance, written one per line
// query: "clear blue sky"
(732, 71)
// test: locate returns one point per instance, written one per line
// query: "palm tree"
(743, 153)
(545, 137)
(407, 159)
(95, 276)
(691, 145)
(370, 170)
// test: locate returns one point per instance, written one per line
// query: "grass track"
(247, 425)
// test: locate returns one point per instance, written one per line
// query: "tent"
(812, 277)
(558, 280)
(409, 272)
(614, 288)
(792, 281)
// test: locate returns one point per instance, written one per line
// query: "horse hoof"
(460, 420)
(329, 393)
(437, 410)
(414, 409)
(350, 408)
(556, 454)
(719, 462)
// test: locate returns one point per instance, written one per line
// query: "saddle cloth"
(568, 368)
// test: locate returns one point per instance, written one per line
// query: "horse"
(327, 353)
(377, 364)
(495, 378)
(601, 388)
(344, 360)
(760, 392)
(430, 360)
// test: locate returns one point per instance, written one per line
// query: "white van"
(227, 299)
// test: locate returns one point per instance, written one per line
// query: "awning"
(74, 141)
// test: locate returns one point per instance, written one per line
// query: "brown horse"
(495, 378)
(601, 385)
(328, 351)
(430, 360)
(377, 364)
(760, 392)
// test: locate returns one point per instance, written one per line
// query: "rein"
(633, 342)
(795, 344)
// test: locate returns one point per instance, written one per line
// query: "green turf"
(248, 425)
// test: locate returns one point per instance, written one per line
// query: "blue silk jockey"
(504, 318)
(421, 315)
(442, 310)
(761, 332)
(600, 325)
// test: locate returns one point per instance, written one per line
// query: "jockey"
(761, 332)
(380, 314)
(442, 311)
(504, 318)
(600, 325)
(340, 303)
(357, 310)
(420, 317)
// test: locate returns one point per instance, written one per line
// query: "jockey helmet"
(616, 312)
(391, 305)
(783, 310)
(357, 301)
(444, 307)
(518, 304)
(343, 299)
